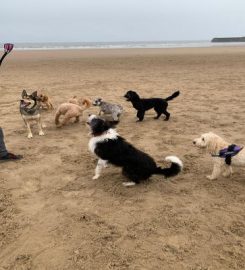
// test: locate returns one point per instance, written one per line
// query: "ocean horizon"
(120, 45)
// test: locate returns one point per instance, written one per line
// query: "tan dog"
(74, 108)
(213, 144)
(45, 102)
(76, 100)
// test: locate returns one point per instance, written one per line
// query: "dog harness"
(229, 152)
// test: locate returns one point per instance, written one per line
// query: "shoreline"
(22, 46)
(218, 45)
(66, 54)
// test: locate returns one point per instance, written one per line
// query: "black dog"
(112, 148)
(144, 104)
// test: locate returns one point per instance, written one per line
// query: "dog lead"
(8, 47)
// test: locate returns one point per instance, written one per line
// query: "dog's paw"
(227, 175)
(128, 184)
(41, 133)
(210, 177)
(95, 177)
(29, 136)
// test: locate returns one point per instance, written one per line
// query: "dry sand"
(53, 216)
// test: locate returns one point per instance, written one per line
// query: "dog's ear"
(34, 94)
(24, 94)
(132, 95)
(211, 144)
(99, 126)
(95, 126)
(214, 143)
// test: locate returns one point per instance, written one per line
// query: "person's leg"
(4, 154)
(3, 150)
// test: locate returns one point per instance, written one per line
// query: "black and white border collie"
(136, 165)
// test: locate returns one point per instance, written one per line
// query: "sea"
(120, 45)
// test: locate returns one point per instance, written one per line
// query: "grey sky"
(119, 20)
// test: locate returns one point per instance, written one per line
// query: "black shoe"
(11, 157)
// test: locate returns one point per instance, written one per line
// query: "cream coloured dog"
(213, 144)
(74, 108)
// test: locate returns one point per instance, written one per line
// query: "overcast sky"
(119, 20)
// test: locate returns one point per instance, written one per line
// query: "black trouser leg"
(3, 150)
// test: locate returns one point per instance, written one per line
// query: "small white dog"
(213, 144)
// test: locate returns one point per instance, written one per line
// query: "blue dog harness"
(229, 152)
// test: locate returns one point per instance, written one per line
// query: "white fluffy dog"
(213, 144)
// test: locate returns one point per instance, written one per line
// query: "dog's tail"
(87, 103)
(57, 116)
(175, 168)
(174, 95)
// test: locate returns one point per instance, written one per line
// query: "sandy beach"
(54, 216)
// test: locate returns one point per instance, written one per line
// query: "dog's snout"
(194, 142)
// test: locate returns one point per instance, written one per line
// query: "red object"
(8, 47)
